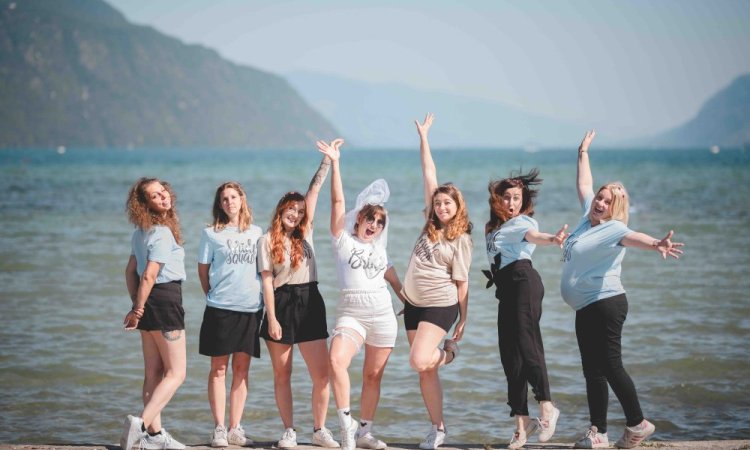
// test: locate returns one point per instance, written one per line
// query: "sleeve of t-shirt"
(158, 245)
(587, 203)
(205, 252)
(462, 258)
(265, 261)
(132, 244)
(339, 242)
(617, 232)
(516, 230)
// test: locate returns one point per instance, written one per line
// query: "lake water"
(70, 374)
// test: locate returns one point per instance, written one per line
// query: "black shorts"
(301, 313)
(224, 332)
(163, 310)
(442, 316)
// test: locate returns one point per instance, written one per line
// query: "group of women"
(265, 285)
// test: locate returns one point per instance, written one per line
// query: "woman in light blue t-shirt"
(228, 272)
(154, 277)
(591, 285)
(511, 236)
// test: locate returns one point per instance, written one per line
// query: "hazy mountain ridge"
(723, 120)
(76, 73)
(382, 115)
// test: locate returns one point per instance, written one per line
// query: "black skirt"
(301, 313)
(224, 332)
(163, 310)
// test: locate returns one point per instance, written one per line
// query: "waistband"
(297, 287)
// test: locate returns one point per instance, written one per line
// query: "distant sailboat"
(715, 149)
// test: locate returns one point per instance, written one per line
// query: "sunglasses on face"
(379, 224)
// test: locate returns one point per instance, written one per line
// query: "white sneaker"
(237, 436)
(324, 438)
(132, 433)
(219, 437)
(519, 440)
(288, 439)
(433, 440)
(367, 440)
(348, 440)
(547, 427)
(593, 439)
(634, 435)
(161, 441)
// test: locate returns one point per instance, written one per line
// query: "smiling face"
(231, 203)
(157, 198)
(601, 207)
(513, 201)
(444, 207)
(292, 215)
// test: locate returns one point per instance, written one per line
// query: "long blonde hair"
(140, 215)
(457, 226)
(220, 217)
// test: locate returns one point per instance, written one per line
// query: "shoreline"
(743, 444)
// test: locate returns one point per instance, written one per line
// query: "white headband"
(376, 193)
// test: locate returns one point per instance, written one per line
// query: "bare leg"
(281, 360)
(217, 396)
(425, 357)
(343, 349)
(171, 346)
(315, 354)
(238, 391)
(372, 374)
(153, 373)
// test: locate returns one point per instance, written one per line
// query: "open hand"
(668, 248)
(586, 142)
(331, 150)
(424, 127)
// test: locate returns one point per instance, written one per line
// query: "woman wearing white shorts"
(365, 312)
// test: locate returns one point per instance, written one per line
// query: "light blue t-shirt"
(158, 245)
(592, 259)
(233, 275)
(509, 240)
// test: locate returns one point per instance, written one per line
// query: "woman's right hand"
(424, 127)
(331, 150)
(274, 329)
(586, 142)
(131, 320)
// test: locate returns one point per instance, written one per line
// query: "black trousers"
(520, 291)
(599, 333)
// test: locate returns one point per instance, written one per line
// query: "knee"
(153, 374)
(218, 372)
(372, 377)
(338, 363)
(420, 362)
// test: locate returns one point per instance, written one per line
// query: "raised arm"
(584, 180)
(664, 246)
(311, 197)
(338, 205)
(429, 172)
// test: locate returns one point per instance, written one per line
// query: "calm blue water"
(69, 373)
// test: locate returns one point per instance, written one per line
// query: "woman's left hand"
(131, 320)
(561, 235)
(458, 332)
(668, 248)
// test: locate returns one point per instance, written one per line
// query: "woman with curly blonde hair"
(436, 286)
(228, 272)
(295, 312)
(154, 276)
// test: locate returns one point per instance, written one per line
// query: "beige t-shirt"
(433, 267)
(282, 272)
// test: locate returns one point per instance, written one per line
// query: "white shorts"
(370, 314)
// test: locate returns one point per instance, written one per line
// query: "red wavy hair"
(297, 236)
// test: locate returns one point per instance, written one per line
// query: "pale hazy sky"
(632, 67)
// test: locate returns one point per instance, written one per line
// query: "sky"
(632, 67)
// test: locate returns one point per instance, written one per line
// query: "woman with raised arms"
(228, 273)
(511, 236)
(295, 311)
(365, 312)
(590, 284)
(436, 286)
(154, 276)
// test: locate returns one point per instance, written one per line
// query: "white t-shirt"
(359, 265)
(233, 275)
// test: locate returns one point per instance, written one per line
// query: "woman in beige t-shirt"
(295, 311)
(436, 286)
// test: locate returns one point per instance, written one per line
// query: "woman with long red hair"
(295, 311)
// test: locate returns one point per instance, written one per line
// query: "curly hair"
(220, 217)
(618, 209)
(140, 215)
(457, 226)
(498, 212)
(297, 236)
